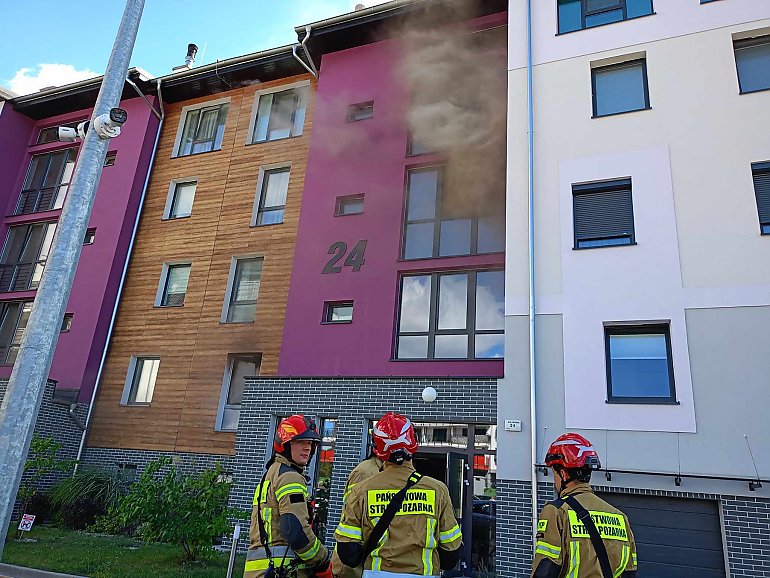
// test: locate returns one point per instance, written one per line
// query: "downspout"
(311, 69)
(532, 372)
(122, 279)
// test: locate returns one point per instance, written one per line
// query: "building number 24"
(355, 258)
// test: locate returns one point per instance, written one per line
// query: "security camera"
(108, 125)
(67, 134)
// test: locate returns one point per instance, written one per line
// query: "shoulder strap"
(263, 537)
(387, 516)
(585, 517)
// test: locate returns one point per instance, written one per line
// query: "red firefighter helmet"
(292, 428)
(571, 451)
(394, 434)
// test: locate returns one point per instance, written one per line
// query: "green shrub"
(40, 506)
(189, 510)
(91, 492)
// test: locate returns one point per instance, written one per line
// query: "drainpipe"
(532, 373)
(122, 279)
(311, 69)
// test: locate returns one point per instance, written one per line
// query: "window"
(441, 223)
(241, 303)
(181, 195)
(451, 316)
(639, 366)
(14, 316)
(416, 147)
(338, 312)
(761, 174)
(239, 367)
(47, 181)
(24, 256)
(174, 281)
(273, 188)
(140, 382)
(204, 128)
(280, 114)
(360, 111)
(89, 236)
(580, 14)
(51, 133)
(66, 323)
(350, 205)
(620, 88)
(603, 214)
(109, 159)
(752, 58)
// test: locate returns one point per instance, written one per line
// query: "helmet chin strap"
(562, 483)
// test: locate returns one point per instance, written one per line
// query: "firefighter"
(282, 541)
(423, 538)
(363, 471)
(565, 545)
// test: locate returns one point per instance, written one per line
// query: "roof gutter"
(358, 14)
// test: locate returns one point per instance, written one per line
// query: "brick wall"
(185, 462)
(352, 401)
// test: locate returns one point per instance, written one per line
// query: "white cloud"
(29, 80)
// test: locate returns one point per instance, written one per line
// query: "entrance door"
(457, 482)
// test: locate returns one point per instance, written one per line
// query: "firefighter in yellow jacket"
(423, 537)
(282, 541)
(565, 547)
(363, 471)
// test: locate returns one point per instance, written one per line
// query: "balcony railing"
(36, 201)
(20, 276)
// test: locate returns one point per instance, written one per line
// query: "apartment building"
(35, 173)
(651, 277)
(205, 293)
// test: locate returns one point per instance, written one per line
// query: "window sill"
(178, 156)
(222, 430)
(742, 92)
(236, 322)
(168, 306)
(259, 142)
(137, 404)
(177, 218)
(256, 226)
(605, 246)
(605, 24)
(336, 322)
(621, 113)
(348, 214)
(642, 401)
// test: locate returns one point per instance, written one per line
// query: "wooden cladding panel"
(192, 343)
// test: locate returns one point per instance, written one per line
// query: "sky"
(50, 43)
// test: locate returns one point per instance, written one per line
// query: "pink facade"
(79, 350)
(366, 157)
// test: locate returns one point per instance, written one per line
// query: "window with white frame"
(272, 190)
(239, 367)
(14, 316)
(204, 128)
(140, 380)
(181, 195)
(280, 114)
(173, 284)
(241, 301)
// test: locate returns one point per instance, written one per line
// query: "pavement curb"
(9, 571)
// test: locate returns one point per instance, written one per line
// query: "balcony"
(20, 276)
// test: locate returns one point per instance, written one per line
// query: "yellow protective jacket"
(281, 501)
(363, 471)
(562, 540)
(424, 535)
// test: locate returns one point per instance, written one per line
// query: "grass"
(100, 556)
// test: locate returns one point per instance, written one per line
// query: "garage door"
(675, 538)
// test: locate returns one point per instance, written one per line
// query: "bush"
(40, 506)
(189, 510)
(90, 493)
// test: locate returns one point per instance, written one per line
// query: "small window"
(338, 312)
(66, 323)
(280, 114)
(761, 174)
(620, 88)
(416, 147)
(180, 201)
(126, 473)
(143, 372)
(109, 160)
(204, 129)
(241, 303)
(639, 366)
(752, 58)
(603, 214)
(360, 111)
(274, 187)
(351, 205)
(239, 367)
(581, 14)
(174, 281)
(90, 236)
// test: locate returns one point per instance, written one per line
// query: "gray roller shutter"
(761, 174)
(603, 211)
(675, 538)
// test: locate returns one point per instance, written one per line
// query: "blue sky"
(47, 42)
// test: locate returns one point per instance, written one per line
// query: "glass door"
(457, 482)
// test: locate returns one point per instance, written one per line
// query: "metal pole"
(21, 404)
(233, 550)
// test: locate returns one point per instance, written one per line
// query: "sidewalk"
(8, 571)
